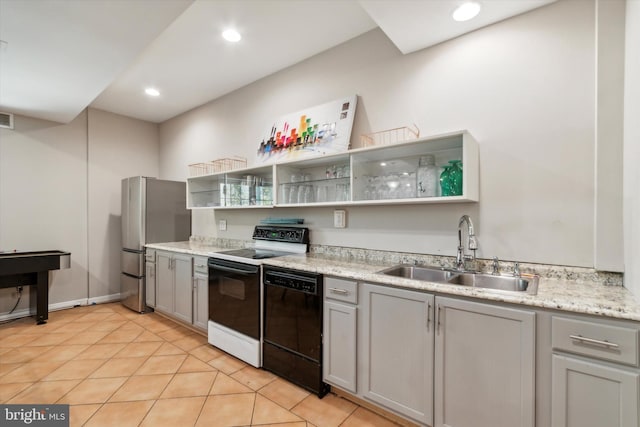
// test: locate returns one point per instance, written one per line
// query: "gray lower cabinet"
(396, 350)
(200, 293)
(484, 365)
(594, 370)
(182, 291)
(339, 347)
(164, 282)
(437, 361)
(174, 285)
(588, 394)
(150, 277)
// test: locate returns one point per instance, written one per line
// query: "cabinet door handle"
(339, 291)
(428, 314)
(593, 341)
(438, 315)
(200, 265)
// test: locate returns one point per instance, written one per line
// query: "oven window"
(234, 297)
(232, 288)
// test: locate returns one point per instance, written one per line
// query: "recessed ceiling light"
(466, 11)
(152, 91)
(231, 35)
(383, 164)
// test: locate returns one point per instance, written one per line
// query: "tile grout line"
(138, 322)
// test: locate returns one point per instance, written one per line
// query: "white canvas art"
(320, 130)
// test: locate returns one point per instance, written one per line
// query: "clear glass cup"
(285, 189)
(308, 194)
(293, 194)
(407, 185)
(342, 192)
(379, 187)
(393, 183)
(322, 193)
(301, 189)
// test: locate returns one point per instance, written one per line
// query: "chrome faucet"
(516, 270)
(495, 266)
(472, 244)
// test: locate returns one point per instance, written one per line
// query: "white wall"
(60, 189)
(632, 148)
(524, 88)
(119, 147)
(43, 199)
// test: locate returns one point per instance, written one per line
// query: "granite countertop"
(585, 297)
(191, 248)
(578, 297)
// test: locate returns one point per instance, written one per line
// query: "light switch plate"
(222, 225)
(339, 218)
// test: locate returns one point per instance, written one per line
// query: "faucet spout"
(472, 243)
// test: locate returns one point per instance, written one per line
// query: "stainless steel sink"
(525, 283)
(429, 274)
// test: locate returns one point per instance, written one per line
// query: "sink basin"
(429, 274)
(526, 283)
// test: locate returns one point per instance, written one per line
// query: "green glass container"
(455, 178)
(445, 182)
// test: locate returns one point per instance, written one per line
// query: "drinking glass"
(308, 194)
(293, 194)
(342, 192)
(322, 193)
(301, 189)
(285, 189)
(393, 182)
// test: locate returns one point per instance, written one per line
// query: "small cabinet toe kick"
(32, 269)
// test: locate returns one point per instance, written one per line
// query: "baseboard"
(26, 312)
(15, 315)
(104, 299)
(67, 304)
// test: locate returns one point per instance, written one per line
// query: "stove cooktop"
(270, 241)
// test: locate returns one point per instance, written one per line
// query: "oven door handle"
(252, 270)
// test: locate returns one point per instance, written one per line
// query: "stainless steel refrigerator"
(153, 211)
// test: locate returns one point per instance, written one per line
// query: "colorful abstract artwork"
(320, 130)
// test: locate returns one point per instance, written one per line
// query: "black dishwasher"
(292, 335)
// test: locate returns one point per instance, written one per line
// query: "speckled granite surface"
(191, 248)
(580, 297)
(573, 289)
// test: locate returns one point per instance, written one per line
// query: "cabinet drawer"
(341, 290)
(200, 265)
(615, 343)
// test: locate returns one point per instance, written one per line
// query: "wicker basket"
(390, 136)
(217, 166)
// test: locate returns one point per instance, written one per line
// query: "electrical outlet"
(222, 225)
(339, 218)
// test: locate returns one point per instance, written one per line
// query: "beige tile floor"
(118, 368)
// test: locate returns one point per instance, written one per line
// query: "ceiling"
(61, 56)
